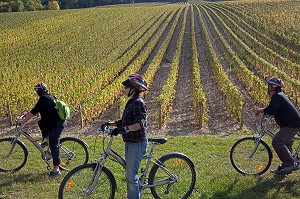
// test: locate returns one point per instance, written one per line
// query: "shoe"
(277, 170)
(54, 174)
(44, 144)
(287, 170)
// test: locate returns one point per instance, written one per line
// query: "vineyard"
(205, 63)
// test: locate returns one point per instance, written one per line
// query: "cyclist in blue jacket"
(288, 118)
(132, 126)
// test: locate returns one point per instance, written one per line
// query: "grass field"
(216, 178)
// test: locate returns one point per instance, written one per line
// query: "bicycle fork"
(13, 144)
(95, 177)
(256, 140)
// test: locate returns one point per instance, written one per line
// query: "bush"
(53, 5)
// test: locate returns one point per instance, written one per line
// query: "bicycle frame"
(148, 157)
(32, 140)
(266, 131)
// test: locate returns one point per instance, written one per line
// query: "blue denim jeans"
(134, 153)
(54, 136)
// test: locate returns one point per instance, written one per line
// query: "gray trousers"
(282, 144)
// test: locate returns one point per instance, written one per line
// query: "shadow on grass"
(260, 190)
(8, 179)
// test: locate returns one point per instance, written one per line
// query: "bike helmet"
(276, 82)
(41, 88)
(137, 82)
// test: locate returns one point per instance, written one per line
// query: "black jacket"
(285, 113)
(46, 107)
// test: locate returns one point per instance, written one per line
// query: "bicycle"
(14, 153)
(252, 155)
(172, 175)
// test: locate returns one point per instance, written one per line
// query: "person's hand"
(20, 121)
(118, 131)
(259, 111)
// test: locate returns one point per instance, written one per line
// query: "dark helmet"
(136, 81)
(276, 82)
(41, 88)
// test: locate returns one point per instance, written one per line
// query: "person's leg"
(54, 136)
(283, 145)
(133, 156)
(43, 130)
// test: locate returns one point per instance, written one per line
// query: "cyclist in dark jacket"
(50, 124)
(288, 118)
(132, 126)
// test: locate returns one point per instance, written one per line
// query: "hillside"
(218, 55)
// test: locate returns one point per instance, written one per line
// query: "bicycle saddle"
(158, 140)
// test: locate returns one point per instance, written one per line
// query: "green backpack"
(63, 109)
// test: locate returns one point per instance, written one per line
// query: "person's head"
(41, 89)
(274, 85)
(134, 84)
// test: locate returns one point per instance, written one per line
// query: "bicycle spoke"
(12, 159)
(77, 184)
(250, 157)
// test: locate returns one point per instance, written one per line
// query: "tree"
(17, 6)
(32, 5)
(53, 5)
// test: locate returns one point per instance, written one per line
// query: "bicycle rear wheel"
(76, 183)
(16, 159)
(182, 168)
(73, 152)
(249, 157)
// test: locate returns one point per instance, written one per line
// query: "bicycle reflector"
(70, 184)
(260, 167)
(177, 162)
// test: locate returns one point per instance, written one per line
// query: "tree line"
(34, 5)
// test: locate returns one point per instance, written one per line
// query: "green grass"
(216, 178)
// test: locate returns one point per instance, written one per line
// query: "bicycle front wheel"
(251, 157)
(162, 177)
(13, 156)
(73, 152)
(76, 184)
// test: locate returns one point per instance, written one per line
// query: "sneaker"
(44, 144)
(277, 170)
(54, 174)
(288, 170)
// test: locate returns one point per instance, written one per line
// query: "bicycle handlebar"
(20, 118)
(106, 129)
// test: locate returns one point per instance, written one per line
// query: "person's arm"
(27, 117)
(259, 111)
(134, 127)
(140, 112)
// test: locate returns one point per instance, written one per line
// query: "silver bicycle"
(171, 176)
(14, 152)
(252, 155)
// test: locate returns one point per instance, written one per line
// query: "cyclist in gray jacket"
(288, 118)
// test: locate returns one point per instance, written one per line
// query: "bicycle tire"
(258, 164)
(77, 180)
(18, 157)
(179, 165)
(73, 152)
